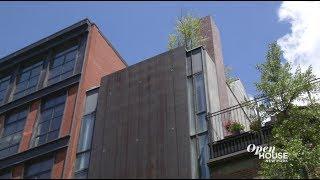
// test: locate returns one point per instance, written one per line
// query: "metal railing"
(224, 142)
(240, 142)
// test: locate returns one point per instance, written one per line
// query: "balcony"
(226, 143)
(238, 144)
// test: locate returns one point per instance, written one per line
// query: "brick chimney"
(212, 44)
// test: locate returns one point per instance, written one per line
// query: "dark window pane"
(43, 127)
(27, 80)
(66, 75)
(203, 156)
(46, 115)
(58, 61)
(56, 122)
(24, 76)
(50, 119)
(68, 66)
(91, 103)
(86, 133)
(71, 56)
(39, 169)
(33, 81)
(81, 175)
(200, 93)
(52, 136)
(58, 111)
(82, 161)
(12, 132)
(196, 63)
(201, 123)
(55, 72)
(62, 66)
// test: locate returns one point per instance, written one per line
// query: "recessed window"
(62, 65)
(12, 132)
(200, 93)
(28, 80)
(201, 123)
(50, 119)
(86, 132)
(40, 169)
(4, 85)
(203, 156)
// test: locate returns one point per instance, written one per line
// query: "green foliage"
(297, 129)
(279, 84)
(234, 127)
(255, 125)
(187, 33)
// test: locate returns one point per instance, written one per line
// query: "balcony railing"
(225, 143)
(237, 143)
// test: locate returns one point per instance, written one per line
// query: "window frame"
(41, 121)
(30, 67)
(5, 78)
(37, 162)
(62, 51)
(14, 138)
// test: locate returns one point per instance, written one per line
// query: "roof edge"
(46, 39)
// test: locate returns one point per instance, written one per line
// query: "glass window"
(86, 132)
(203, 156)
(200, 93)
(201, 123)
(28, 80)
(12, 132)
(62, 65)
(4, 84)
(50, 119)
(81, 174)
(91, 103)
(196, 62)
(40, 169)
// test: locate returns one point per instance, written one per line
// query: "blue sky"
(139, 30)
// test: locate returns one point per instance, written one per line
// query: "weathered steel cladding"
(141, 128)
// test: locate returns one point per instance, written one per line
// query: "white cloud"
(302, 45)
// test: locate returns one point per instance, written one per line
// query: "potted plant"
(234, 127)
(255, 125)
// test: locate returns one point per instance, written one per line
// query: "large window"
(40, 169)
(62, 65)
(28, 80)
(86, 131)
(12, 132)
(198, 123)
(4, 84)
(50, 118)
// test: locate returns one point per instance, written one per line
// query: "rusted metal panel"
(142, 130)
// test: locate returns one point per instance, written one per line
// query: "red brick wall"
(29, 126)
(1, 123)
(58, 165)
(100, 60)
(212, 45)
(17, 172)
(68, 111)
